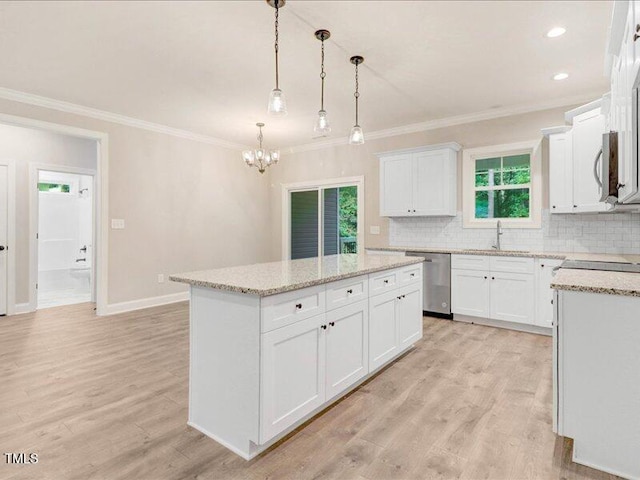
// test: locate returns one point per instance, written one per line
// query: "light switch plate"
(117, 224)
(374, 230)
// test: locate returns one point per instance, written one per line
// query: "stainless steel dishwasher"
(437, 283)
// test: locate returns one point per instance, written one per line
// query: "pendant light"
(260, 158)
(277, 104)
(322, 127)
(356, 137)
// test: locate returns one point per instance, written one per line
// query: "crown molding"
(67, 107)
(450, 121)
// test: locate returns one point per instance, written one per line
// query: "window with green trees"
(503, 187)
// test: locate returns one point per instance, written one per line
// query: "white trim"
(587, 107)
(553, 130)
(489, 322)
(534, 147)
(61, 106)
(456, 147)
(101, 193)
(34, 212)
(148, 302)
(22, 308)
(11, 235)
(287, 188)
(449, 122)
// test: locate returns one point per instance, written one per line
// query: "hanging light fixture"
(277, 104)
(356, 137)
(322, 127)
(260, 158)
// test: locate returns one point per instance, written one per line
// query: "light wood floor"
(106, 398)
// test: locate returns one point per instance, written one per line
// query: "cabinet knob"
(493, 278)
(575, 206)
(403, 296)
(324, 327)
(298, 306)
(399, 297)
(333, 324)
(385, 281)
(349, 291)
(412, 275)
(414, 211)
(485, 277)
(542, 265)
(553, 206)
(409, 210)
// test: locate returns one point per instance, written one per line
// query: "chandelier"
(260, 158)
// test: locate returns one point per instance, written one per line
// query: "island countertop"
(264, 279)
(597, 281)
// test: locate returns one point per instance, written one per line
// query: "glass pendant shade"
(356, 137)
(322, 124)
(275, 156)
(277, 103)
(259, 154)
(249, 157)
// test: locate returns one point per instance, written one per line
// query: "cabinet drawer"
(291, 307)
(383, 281)
(411, 274)
(470, 262)
(512, 264)
(346, 292)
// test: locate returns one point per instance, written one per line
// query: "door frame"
(11, 234)
(288, 188)
(34, 218)
(101, 219)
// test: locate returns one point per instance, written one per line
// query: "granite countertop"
(593, 257)
(597, 281)
(264, 279)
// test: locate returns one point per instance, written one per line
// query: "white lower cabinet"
(409, 316)
(470, 292)
(347, 348)
(509, 289)
(293, 374)
(306, 364)
(544, 293)
(383, 328)
(512, 296)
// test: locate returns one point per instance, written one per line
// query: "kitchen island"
(273, 344)
(597, 367)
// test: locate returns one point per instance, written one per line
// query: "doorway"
(4, 233)
(65, 237)
(323, 218)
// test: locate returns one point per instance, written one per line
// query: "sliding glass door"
(323, 221)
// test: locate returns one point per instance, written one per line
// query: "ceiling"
(208, 67)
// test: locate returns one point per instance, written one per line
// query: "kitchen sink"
(492, 250)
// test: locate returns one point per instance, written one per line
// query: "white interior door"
(4, 211)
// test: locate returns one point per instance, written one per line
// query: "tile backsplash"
(601, 233)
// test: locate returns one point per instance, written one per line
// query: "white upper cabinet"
(419, 182)
(573, 152)
(588, 128)
(560, 172)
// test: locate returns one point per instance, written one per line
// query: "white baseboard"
(487, 322)
(132, 305)
(23, 308)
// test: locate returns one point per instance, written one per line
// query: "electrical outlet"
(160, 278)
(374, 230)
(117, 224)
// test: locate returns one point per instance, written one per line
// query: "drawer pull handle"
(385, 281)
(333, 324)
(324, 327)
(399, 297)
(298, 306)
(350, 291)
(412, 275)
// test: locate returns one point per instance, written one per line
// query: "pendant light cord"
(276, 44)
(322, 75)
(357, 95)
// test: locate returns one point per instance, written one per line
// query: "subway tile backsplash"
(601, 233)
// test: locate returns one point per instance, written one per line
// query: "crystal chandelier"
(277, 105)
(260, 158)
(356, 137)
(322, 127)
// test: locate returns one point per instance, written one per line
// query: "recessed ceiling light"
(561, 76)
(556, 32)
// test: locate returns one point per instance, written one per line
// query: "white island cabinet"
(273, 344)
(596, 368)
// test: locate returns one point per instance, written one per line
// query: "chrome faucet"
(498, 233)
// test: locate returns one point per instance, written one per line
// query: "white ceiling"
(207, 67)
